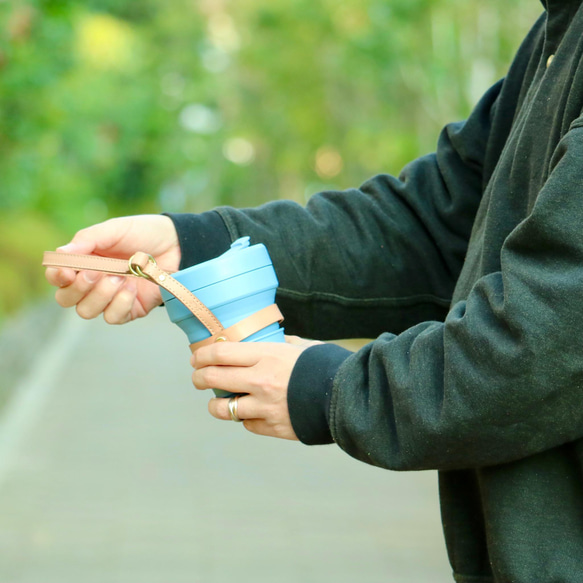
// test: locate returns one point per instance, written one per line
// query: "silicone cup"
(233, 286)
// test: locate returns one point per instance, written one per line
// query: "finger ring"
(233, 409)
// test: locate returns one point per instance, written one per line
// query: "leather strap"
(244, 328)
(140, 265)
(87, 262)
(144, 265)
(200, 311)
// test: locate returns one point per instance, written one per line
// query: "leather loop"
(198, 309)
(86, 262)
(150, 270)
(143, 265)
(244, 328)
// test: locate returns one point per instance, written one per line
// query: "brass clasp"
(137, 270)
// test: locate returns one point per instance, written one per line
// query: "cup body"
(233, 286)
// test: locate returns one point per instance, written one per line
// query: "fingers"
(228, 353)
(262, 427)
(232, 379)
(262, 370)
(298, 341)
(81, 244)
(294, 339)
(93, 292)
(120, 309)
(99, 237)
(241, 367)
(63, 277)
(70, 295)
(246, 407)
(60, 277)
(122, 236)
(98, 298)
(256, 418)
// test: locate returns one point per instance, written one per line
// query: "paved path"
(111, 471)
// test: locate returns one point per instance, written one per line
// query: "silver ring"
(233, 406)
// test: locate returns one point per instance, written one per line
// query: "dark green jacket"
(469, 269)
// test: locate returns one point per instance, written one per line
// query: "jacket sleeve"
(382, 257)
(502, 377)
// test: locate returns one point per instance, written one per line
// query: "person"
(468, 271)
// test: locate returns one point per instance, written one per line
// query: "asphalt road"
(112, 471)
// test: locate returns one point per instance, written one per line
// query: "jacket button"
(550, 60)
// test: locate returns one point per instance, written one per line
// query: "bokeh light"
(105, 42)
(239, 151)
(329, 162)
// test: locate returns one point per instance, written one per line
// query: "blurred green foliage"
(112, 107)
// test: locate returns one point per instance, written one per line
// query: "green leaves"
(115, 107)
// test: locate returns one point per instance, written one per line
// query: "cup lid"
(240, 258)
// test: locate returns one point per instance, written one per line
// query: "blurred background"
(113, 107)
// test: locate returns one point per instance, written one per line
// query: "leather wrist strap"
(144, 265)
(139, 265)
(244, 328)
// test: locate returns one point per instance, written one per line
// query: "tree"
(112, 106)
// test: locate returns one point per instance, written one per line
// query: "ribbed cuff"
(310, 392)
(201, 236)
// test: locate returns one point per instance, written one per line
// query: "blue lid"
(240, 258)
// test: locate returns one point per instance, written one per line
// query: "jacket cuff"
(310, 392)
(201, 236)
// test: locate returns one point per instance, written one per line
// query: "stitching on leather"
(208, 319)
(269, 315)
(78, 261)
(74, 261)
(91, 258)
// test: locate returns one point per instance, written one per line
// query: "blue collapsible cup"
(233, 286)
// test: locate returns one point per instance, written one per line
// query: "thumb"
(77, 247)
(297, 341)
(87, 240)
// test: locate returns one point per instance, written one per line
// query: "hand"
(261, 371)
(119, 299)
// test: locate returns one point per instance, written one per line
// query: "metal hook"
(137, 270)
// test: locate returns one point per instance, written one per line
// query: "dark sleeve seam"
(337, 298)
(354, 302)
(229, 223)
(332, 411)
